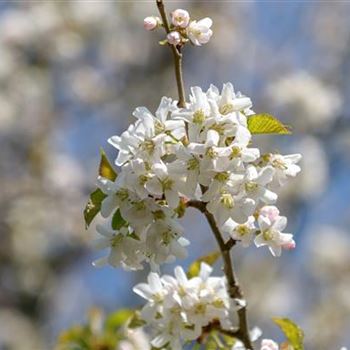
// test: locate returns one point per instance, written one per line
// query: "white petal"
(280, 223)
(172, 197)
(266, 175)
(213, 138)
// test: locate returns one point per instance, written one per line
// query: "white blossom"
(177, 308)
(201, 152)
(268, 344)
(241, 232)
(271, 234)
(199, 32)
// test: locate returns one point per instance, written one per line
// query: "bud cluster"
(182, 28)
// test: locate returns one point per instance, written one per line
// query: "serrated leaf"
(293, 332)
(210, 259)
(117, 220)
(136, 321)
(266, 124)
(105, 169)
(93, 206)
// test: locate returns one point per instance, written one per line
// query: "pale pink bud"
(180, 18)
(289, 245)
(174, 38)
(151, 22)
(269, 211)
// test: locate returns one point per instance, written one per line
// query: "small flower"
(174, 38)
(268, 344)
(269, 211)
(151, 22)
(199, 32)
(241, 232)
(272, 236)
(180, 18)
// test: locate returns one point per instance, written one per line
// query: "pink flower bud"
(289, 245)
(150, 23)
(180, 18)
(174, 38)
(269, 211)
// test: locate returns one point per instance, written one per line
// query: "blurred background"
(71, 73)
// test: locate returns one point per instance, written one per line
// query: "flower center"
(279, 164)
(192, 164)
(226, 108)
(211, 153)
(148, 146)
(242, 230)
(251, 186)
(268, 234)
(235, 152)
(227, 200)
(122, 194)
(222, 177)
(167, 184)
(143, 179)
(198, 117)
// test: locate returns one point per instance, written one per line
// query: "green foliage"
(99, 332)
(118, 318)
(117, 221)
(105, 169)
(217, 341)
(136, 321)
(293, 332)
(266, 124)
(210, 259)
(93, 206)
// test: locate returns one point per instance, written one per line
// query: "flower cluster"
(182, 29)
(201, 152)
(177, 308)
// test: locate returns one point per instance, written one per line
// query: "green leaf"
(163, 42)
(293, 332)
(210, 259)
(266, 124)
(117, 221)
(105, 169)
(136, 321)
(93, 206)
(119, 318)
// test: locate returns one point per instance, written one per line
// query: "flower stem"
(234, 288)
(176, 50)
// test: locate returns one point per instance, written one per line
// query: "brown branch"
(176, 50)
(234, 288)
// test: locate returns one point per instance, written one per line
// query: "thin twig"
(234, 288)
(176, 50)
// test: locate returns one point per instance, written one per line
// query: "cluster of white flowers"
(201, 152)
(266, 344)
(182, 28)
(177, 308)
